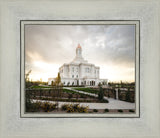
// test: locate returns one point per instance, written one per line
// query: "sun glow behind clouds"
(114, 73)
(111, 47)
(43, 70)
(117, 73)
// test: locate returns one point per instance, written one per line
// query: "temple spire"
(79, 46)
(79, 51)
(79, 58)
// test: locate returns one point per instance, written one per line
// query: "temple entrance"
(92, 83)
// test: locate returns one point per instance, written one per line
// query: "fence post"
(117, 94)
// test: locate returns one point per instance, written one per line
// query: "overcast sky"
(111, 47)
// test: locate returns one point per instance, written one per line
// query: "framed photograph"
(79, 69)
(58, 81)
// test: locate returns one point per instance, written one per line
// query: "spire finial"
(79, 46)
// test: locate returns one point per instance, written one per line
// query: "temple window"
(87, 70)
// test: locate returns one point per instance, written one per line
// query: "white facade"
(79, 72)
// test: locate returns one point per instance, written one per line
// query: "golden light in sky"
(50, 70)
(111, 47)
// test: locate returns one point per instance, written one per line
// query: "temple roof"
(79, 60)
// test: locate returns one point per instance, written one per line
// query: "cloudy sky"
(111, 47)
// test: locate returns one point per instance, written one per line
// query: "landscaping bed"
(71, 108)
(64, 95)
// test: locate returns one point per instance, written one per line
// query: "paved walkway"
(91, 94)
(113, 103)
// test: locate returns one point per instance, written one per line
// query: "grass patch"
(39, 87)
(81, 94)
(89, 90)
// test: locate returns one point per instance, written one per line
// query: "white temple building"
(79, 72)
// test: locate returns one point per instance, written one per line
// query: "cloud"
(105, 45)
